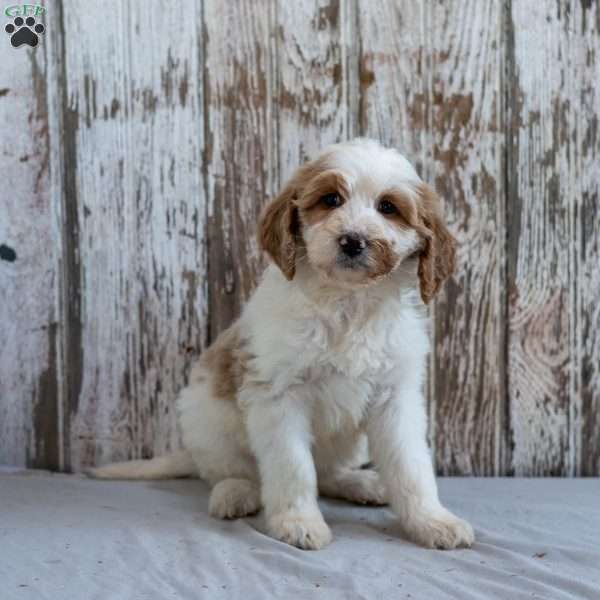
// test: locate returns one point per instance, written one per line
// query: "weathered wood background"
(135, 159)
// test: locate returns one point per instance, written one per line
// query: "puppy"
(327, 359)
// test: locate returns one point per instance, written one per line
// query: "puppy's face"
(355, 214)
(356, 228)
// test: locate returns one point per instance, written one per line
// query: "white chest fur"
(338, 355)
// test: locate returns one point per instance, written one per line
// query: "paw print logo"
(24, 32)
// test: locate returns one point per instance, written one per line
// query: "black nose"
(352, 244)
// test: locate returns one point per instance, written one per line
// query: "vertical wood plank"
(431, 85)
(467, 129)
(553, 345)
(585, 158)
(62, 152)
(134, 114)
(240, 156)
(394, 76)
(315, 78)
(30, 432)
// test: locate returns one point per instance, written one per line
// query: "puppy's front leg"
(280, 436)
(397, 441)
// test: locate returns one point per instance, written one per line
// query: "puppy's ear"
(278, 229)
(438, 257)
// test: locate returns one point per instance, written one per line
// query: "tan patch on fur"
(278, 229)
(279, 226)
(312, 210)
(227, 360)
(437, 260)
(383, 259)
(407, 214)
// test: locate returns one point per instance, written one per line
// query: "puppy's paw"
(366, 487)
(234, 498)
(308, 532)
(441, 530)
(361, 486)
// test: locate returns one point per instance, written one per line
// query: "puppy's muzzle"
(352, 244)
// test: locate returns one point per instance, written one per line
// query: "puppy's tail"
(177, 464)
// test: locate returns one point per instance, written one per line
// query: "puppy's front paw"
(309, 532)
(443, 530)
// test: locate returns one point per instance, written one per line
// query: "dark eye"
(331, 200)
(386, 207)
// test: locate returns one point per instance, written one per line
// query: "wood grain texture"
(585, 161)
(315, 79)
(467, 131)
(29, 278)
(553, 288)
(133, 117)
(240, 159)
(135, 166)
(394, 74)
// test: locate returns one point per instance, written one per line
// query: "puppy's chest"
(340, 402)
(345, 370)
(351, 352)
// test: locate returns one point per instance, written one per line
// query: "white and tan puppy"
(328, 353)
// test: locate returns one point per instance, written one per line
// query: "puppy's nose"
(352, 244)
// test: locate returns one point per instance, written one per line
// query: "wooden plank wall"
(29, 274)
(134, 167)
(553, 67)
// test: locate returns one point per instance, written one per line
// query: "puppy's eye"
(332, 200)
(385, 207)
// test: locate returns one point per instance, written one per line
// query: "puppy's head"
(355, 214)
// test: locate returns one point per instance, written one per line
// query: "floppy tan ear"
(278, 229)
(438, 257)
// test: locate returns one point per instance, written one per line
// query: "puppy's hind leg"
(361, 486)
(213, 430)
(339, 473)
(233, 498)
